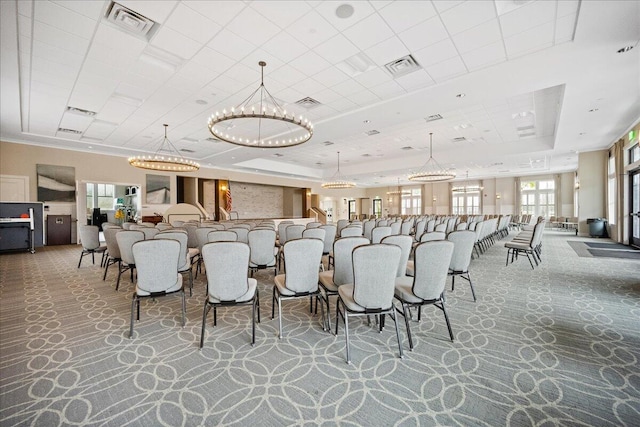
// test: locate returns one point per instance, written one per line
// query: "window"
(100, 196)
(634, 153)
(538, 198)
(412, 203)
(89, 197)
(466, 203)
(611, 190)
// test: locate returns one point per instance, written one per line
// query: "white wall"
(592, 173)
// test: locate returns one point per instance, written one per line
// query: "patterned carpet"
(558, 345)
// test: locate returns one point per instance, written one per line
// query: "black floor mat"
(600, 245)
(615, 254)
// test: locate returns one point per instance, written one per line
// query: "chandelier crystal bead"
(171, 163)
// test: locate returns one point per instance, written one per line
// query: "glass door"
(377, 208)
(634, 207)
(352, 210)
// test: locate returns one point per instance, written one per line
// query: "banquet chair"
(228, 282)
(342, 272)
(157, 266)
(367, 226)
(112, 248)
(379, 233)
(126, 239)
(301, 259)
(281, 238)
(351, 231)
(374, 273)
(163, 226)
(395, 226)
(313, 224)
(263, 250)
(241, 232)
(222, 236)
(314, 233)
(292, 231)
(202, 239)
(329, 237)
(463, 241)
(90, 240)
(406, 228)
(342, 223)
(184, 264)
(431, 265)
(405, 243)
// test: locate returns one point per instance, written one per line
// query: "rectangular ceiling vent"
(130, 21)
(402, 66)
(433, 117)
(327, 143)
(73, 131)
(371, 132)
(459, 139)
(190, 140)
(81, 111)
(186, 150)
(212, 139)
(278, 155)
(407, 148)
(308, 102)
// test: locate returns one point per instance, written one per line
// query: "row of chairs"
(528, 242)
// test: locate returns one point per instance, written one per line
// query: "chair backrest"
(89, 236)
(301, 260)
(202, 236)
(242, 233)
(374, 274)
(112, 243)
(149, 233)
(434, 235)
(420, 228)
(191, 234)
(108, 225)
(342, 223)
(137, 227)
(294, 232)
(463, 247)
(351, 231)
(441, 227)
(314, 233)
(242, 225)
(127, 225)
(227, 265)
(406, 228)
(404, 243)
(162, 226)
(157, 265)
(183, 238)
(126, 239)
(177, 223)
(379, 233)
(148, 224)
(313, 224)
(367, 226)
(382, 223)
(537, 234)
(431, 262)
(222, 236)
(451, 224)
(262, 242)
(330, 231)
(395, 227)
(461, 226)
(342, 258)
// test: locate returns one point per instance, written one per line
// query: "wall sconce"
(434, 199)
(498, 196)
(577, 184)
(223, 188)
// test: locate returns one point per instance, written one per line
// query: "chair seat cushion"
(346, 295)
(404, 291)
(280, 284)
(271, 264)
(193, 252)
(517, 245)
(326, 280)
(248, 296)
(176, 287)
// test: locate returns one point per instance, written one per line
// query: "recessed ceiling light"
(366, 121)
(461, 95)
(582, 133)
(625, 49)
(344, 11)
(201, 102)
(90, 146)
(593, 110)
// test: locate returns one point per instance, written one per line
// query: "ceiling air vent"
(327, 143)
(211, 139)
(308, 102)
(278, 155)
(129, 21)
(190, 140)
(400, 67)
(433, 117)
(407, 148)
(371, 132)
(459, 139)
(366, 155)
(186, 150)
(81, 111)
(73, 131)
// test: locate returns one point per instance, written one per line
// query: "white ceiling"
(530, 71)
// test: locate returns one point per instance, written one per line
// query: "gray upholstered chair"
(406, 227)
(263, 251)
(431, 226)
(314, 233)
(342, 223)
(529, 245)
(202, 239)
(127, 225)
(163, 226)
(433, 235)
(342, 272)
(157, 266)
(405, 243)
(292, 232)
(313, 224)
(395, 226)
(420, 228)
(330, 231)
(282, 232)
(374, 274)
(112, 248)
(431, 265)
(228, 282)
(351, 231)
(301, 259)
(241, 232)
(184, 266)
(222, 236)
(379, 233)
(107, 225)
(90, 240)
(367, 226)
(126, 239)
(463, 241)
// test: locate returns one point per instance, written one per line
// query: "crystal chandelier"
(466, 188)
(173, 162)
(259, 121)
(432, 171)
(337, 181)
(398, 192)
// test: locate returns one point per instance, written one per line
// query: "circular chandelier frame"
(157, 162)
(432, 171)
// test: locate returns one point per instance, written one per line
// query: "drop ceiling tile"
(115, 111)
(214, 61)
(388, 90)
(336, 49)
(24, 28)
(99, 70)
(361, 10)
(401, 15)
(289, 96)
(137, 87)
(252, 61)
(64, 19)
(537, 38)
(175, 43)
(61, 39)
(364, 98)
(487, 55)
(225, 84)
(91, 97)
(369, 32)
(373, 77)
(387, 51)
(284, 47)
(56, 54)
(526, 17)
(380, 4)
(221, 12)
(288, 75)
(75, 121)
(448, 69)
(310, 63)
(154, 72)
(253, 26)
(476, 37)
(121, 58)
(348, 87)
(232, 45)
(567, 7)
(197, 75)
(468, 15)
(107, 35)
(90, 9)
(442, 5)
(312, 29)
(283, 13)
(416, 80)
(436, 53)
(25, 8)
(327, 96)
(565, 28)
(309, 87)
(424, 34)
(158, 10)
(192, 24)
(61, 71)
(330, 77)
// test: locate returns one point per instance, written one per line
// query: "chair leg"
(324, 321)
(395, 322)
(453, 281)
(446, 318)
(82, 254)
(258, 304)
(473, 291)
(279, 317)
(346, 334)
(106, 268)
(405, 309)
(133, 306)
(205, 311)
(184, 307)
(253, 322)
(273, 302)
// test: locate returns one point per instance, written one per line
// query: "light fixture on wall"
(337, 181)
(398, 191)
(466, 187)
(260, 121)
(171, 162)
(432, 171)
(498, 196)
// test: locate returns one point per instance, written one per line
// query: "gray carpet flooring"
(558, 345)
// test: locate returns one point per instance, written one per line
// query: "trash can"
(597, 227)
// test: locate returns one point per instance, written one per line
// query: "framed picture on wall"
(158, 190)
(56, 183)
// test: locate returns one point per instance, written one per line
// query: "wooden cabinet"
(58, 230)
